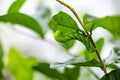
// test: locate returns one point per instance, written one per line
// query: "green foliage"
(19, 66)
(65, 20)
(110, 23)
(15, 7)
(66, 29)
(52, 73)
(92, 55)
(22, 19)
(114, 75)
(69, 44)
(1, 61)
(55, 74)
(72, 73)
(80, 61)
(112, 66)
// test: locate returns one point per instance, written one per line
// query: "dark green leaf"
(72, 73)
(79, 62)
(46, 70)
(1, 61)
(113, 75)
(15, 7)
(22, 19)
(19, 66)
(110, 23)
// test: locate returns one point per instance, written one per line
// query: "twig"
(88, 35)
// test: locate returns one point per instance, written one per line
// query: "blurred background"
(48, 50)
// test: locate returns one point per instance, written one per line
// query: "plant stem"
(87, 33)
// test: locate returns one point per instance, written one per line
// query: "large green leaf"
(1, 61)
(25, 20)
(65, 31)
(19, 66)
(72, 73)
(46, 70)
(15, 7)
(110, 23)
(113, 75)
(79, 62)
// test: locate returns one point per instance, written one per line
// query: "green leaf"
(15, 7)
(1, 61)
(87, 18)
(72, 73)
(113, 66)
(100, 44)
(92, 55)
(25, 20)
(79, 62)
(46, 70)
(65, 32)
(67, 45)
(64, 19)
(19, 66)
(110, 23)
(113, 75)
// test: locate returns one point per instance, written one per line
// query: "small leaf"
(20, 67)
(79, 62)
(25, 20)
(15, 7)
(113, 75)
(46, 70)
(1, 61)
(72, 73)
(110, 23)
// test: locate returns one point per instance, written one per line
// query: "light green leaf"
(25, 20)
(46, 70)
(113, 75)
(1, 61)
(72, 73)
(110, 23)
(79, 62)
(15, 7)
(19, 66)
